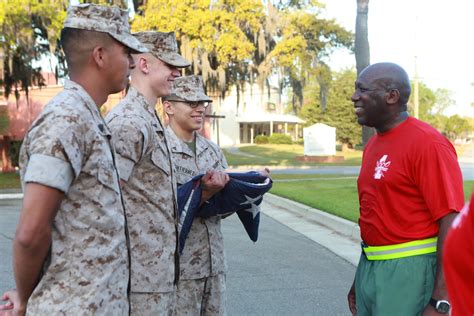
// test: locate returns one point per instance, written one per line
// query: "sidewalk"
(338, 235)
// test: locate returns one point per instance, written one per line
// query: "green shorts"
(395, 287)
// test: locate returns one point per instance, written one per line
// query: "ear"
(392, 96)
(99, 56)
(143, 64)
(168, 107)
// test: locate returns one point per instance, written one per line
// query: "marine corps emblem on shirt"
(381, 167)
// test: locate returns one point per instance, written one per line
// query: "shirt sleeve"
(49, 171)
(223, 160)
(54, 151)
(129, 141)
(439, 178)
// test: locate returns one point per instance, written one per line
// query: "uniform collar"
(140, 99)
(178, 146)
(201, 143)
(89, 103)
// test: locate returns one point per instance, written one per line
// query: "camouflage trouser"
(202, 296)
(144, 304)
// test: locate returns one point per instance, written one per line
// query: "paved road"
(467, 169)
(466, 161)
(284, 273)
(9, 213)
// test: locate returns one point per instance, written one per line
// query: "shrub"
(14, 152)
(261, 139)
(280, 139)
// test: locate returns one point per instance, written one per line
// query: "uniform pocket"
(161, 160)
(107, 175)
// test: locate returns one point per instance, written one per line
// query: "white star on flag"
(254, 209)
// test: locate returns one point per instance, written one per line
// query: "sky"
(439, 33)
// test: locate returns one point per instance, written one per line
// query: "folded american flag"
(243, 194)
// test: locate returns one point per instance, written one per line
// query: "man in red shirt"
(458, 257)
(410, 190)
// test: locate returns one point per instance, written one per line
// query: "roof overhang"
(267, 118)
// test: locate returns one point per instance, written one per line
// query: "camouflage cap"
(106, 19)
(188, 88)
(163, 46)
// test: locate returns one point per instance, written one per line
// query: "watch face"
(443, 307)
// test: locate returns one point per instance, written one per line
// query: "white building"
(257, 113)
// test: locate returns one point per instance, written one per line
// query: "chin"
(117, 89)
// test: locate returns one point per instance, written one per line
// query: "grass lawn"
(283, 155)
(335, 194)
(9, 181)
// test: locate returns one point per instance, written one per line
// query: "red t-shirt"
(458, 258)
(409, 179)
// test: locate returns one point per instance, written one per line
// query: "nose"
(131, 62)
(355, 96)
(176, 72)
(200, 108)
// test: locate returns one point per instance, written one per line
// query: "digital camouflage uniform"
(68, 148)
(201, 290)
(144, 163)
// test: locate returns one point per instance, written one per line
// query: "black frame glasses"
(192, 104)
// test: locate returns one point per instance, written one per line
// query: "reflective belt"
(407, 249)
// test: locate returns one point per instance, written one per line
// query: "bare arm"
(33, 236)
(351, 299)
(439, 291)
(351, 296)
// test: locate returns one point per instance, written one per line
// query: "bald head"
(389, 76)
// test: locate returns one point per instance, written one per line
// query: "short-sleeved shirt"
(409, 179)
(144, 162)
(68, 148)
(203, 255)
(458, 256)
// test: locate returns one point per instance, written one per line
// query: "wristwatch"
(441, 306)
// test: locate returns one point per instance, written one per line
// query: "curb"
(11, 196)
(342, 226)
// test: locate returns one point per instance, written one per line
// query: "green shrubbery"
(14, 152)
(261, 139)
(280, 139)
(273, 139)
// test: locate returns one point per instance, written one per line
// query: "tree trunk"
(362, 51)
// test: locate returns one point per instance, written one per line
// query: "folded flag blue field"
(243, 195)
